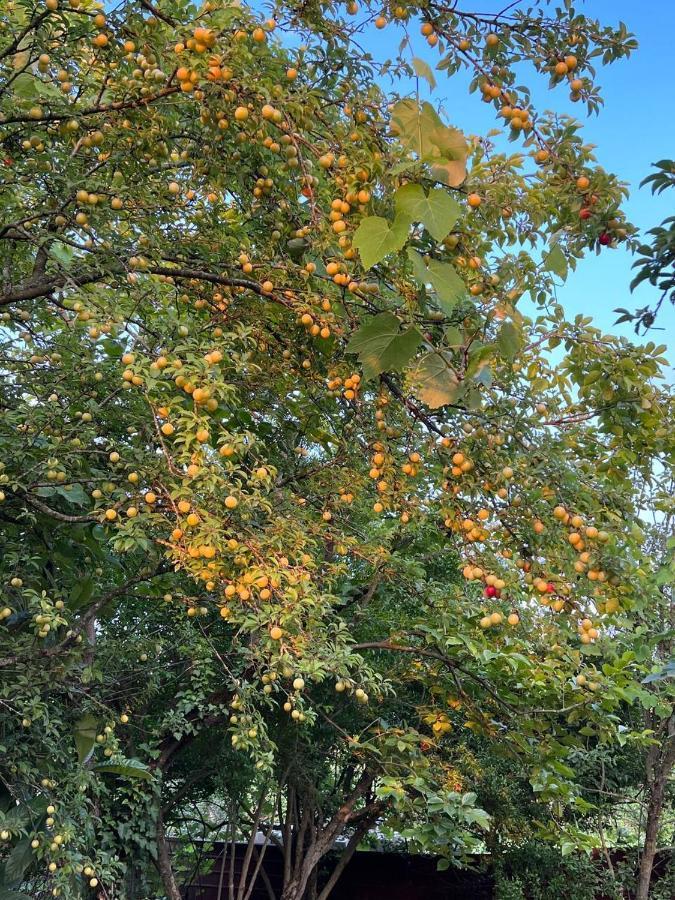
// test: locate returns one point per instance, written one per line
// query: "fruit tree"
(304, 469)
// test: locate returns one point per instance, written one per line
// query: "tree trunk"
(164, 862)
(651, 835)
(660, 762)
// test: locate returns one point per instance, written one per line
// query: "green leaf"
(25, 86)
(509, 340)
(438, 211)
(63, 253)
(19, 860)
(84, 733)
(81, 593)
(424, 70)
(75, 494)
(376, 238)
(668, 671)
(478, 359)
(555, 262)
(420, 130)
(443, 277)
(381, 347)
(13, 895)
(434, 380)
(132, 768)
(454, 336)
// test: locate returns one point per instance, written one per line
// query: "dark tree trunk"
(651, 837)
(660, 762)
(164, 862)
(315, 841)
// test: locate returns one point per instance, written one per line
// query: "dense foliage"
(319, 515)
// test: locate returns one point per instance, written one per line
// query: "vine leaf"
(509, 340)
(382, 347)
(424, 70)
(376, 238)
(420, 130)
(434, 381)
(438, 211)
(443, 277)
(555, 262)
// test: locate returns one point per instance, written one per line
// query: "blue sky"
(634, 129)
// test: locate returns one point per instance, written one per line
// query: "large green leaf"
(443, 277)
(668, 671)
(19, 860)
(555, 262)
(424, 70)
(25, 85)
(453, 336)
(75, 493)
(84, 733)
(434, 380)
(376, 238)
(81, 593)
(132, 768)
(438, 211)
(509, 340)
(382, 347)
(420, 130)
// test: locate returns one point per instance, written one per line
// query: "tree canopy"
(316, 505)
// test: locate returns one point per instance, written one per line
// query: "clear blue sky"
(635, 128)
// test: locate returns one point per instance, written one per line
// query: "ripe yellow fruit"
(276, 633)
(231, 502)
(583, 183)
(111, 514)
(167, 429)
(150, 497)
(474, 201)
(241, 114)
